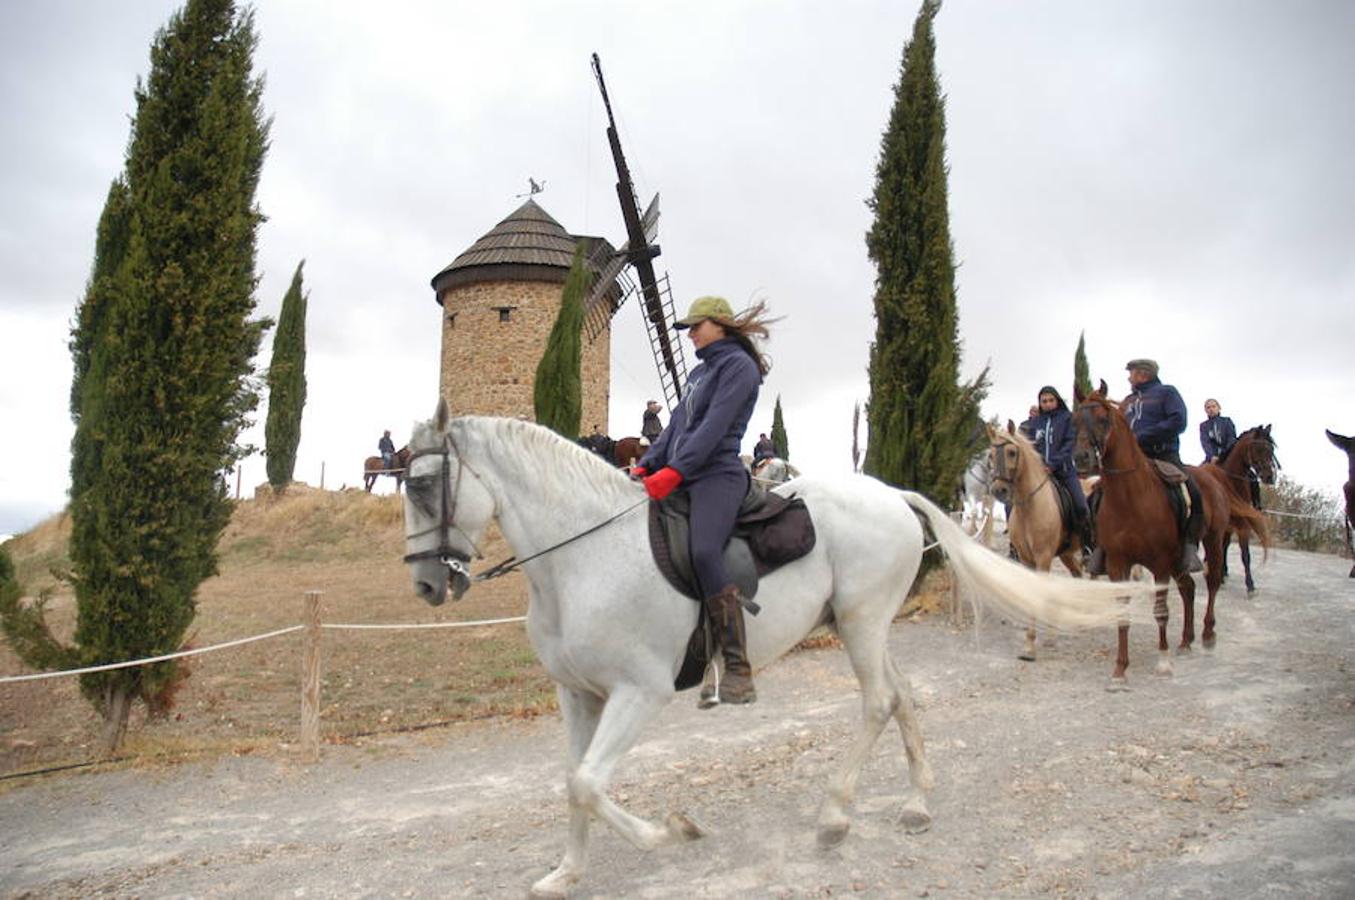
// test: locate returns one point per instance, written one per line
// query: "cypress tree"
(557, 393)
(779, 440)
(162, 348)
(919, 415)
(286, 385)
(1082, 380)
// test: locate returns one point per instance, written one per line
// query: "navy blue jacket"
(1053, 436)
(706, 429)
(1157, 414)
(1216, 436)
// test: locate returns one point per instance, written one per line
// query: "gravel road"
(1233, 778)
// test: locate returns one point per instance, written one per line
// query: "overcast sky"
(1174, 178)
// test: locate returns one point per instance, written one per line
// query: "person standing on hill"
(652, 427)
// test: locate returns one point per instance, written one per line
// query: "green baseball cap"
(703, 308)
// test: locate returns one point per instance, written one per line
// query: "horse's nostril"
(423, 589)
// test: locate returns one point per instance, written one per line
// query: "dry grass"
(247, 699)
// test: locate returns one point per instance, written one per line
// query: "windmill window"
(505, 312)
(451, 321)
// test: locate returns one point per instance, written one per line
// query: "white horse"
(611, 632)
(774, 470)
(976, 496)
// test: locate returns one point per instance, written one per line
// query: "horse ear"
(1105, 391)
(1011, 427)
(441, 417)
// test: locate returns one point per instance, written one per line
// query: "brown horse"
(1348, 444)
(1136, 524)
(628, 451)
(374, 466)
(1035, 525)
(1252, 456)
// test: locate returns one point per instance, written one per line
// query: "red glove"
(663, 482)
(638, 472)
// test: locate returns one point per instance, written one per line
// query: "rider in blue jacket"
(699, 451)
(1051, 431)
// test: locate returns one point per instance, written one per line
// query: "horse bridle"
(1084, 410)
(1251, 472)
(456, 561)
(1001, 474)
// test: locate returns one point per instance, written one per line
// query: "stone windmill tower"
(499, 300)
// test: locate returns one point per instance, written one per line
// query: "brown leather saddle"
(769, 532)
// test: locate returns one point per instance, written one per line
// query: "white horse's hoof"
(833, 835)
(554, 886)
(1117, 685)
(707, 701)
(914, 818)
(1164, 666)
(682, 827)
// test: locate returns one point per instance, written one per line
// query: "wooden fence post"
(310, 680)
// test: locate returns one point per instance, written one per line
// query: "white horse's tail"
(1022, 593)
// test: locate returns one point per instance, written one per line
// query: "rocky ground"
(1232, 778)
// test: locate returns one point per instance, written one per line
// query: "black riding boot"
(1190, 558)
(726, 615)
(1085, 534)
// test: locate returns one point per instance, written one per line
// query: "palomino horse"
(1135, 523)
(1035, 527)
(1348, 444)
(613, 635)
(375, 466)
(1251, 456)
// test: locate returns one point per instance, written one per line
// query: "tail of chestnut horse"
(1024, 594)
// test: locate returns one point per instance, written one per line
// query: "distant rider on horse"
(387, 448)
(699, 450)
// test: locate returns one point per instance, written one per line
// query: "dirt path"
(1235, 778)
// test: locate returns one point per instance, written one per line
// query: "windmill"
(638, 253)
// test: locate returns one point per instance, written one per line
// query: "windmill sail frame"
(639, 253)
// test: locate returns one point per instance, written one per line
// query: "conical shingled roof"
(529, 245)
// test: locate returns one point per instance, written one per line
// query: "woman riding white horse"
(612, 633)
(699, 453)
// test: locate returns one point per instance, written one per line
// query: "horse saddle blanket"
(770, 531)
(1177, 483)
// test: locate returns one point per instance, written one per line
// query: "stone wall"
(493, 336)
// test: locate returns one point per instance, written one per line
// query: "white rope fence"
(310, 674)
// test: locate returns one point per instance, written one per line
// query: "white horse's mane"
(556, 466)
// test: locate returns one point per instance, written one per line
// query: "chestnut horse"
(627, 451)
(1136, 524)
(1035, 525)
(1252, 456)
(1348, 444)
(375, 466)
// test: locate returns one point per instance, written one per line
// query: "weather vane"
(534, 188)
